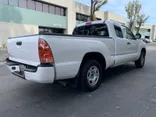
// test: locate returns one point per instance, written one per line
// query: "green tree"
(95, 6)
(133, 8)
(141, 19)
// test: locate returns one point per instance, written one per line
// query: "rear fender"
(69, 53)
(103, 50)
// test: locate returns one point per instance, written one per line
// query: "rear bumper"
(40, 74)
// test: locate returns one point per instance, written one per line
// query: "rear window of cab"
(92, 30)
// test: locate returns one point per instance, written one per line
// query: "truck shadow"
(59, 100)
(58, 91)
(53, 97)
(113, 73)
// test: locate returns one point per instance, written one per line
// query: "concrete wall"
(76, 7)
(113, 16)
(12, 30)
(84, 9)
(73, 8)
(144, 30)
(154, 32)
(71, 15)
(13, 14)
(17, 21)
(146, 26)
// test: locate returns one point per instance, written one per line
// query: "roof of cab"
(98, 21)
(91, 22)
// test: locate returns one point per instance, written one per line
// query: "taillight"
(89, 22)
(45, 53)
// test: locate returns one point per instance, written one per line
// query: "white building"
(26, 17)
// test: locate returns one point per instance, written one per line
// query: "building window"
(63, 12)
(49, 30)
(52, 9)
(98, 18)
(36, 5)
(58, 11)
(39, 6)
(118, 31)
(81, 17)
(13, 2)
(148, 30)
(84, 18)
(22, 3)
(148, 37)
(77, 16)
(49, 8)
(31, 4)
(45, 8)
(4, 1)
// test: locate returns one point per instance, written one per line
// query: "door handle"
(19, 43)
(128, 43)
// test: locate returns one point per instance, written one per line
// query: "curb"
(2, 63)
(2, 60)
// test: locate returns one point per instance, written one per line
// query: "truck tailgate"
(24, 50)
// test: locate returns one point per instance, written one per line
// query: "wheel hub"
(93, 75)
(142, 59)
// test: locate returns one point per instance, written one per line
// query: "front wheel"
(141, 61)
(90, 75)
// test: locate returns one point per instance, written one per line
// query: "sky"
(118, 7)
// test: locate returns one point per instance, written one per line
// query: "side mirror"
(138, 36)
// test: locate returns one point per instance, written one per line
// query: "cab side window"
(128, 33)
(118, 31)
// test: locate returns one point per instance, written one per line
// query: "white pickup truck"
(83, 56)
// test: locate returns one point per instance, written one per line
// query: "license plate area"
(22, 68)
(21, 73)
(18, 70)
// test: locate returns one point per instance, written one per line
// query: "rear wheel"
(90, 75)
(141, 61)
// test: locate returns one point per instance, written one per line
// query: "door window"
(127, 33)
(118, 31)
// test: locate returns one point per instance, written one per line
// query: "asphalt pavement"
(3, 56)
(125, 92)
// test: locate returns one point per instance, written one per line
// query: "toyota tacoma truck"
(83, 56)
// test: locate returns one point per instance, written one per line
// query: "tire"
(90, 76)
(141, 61)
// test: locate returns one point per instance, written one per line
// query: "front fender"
(142, 45)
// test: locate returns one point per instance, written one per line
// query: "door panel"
(120, 41)
(122, 59)
(132, 44)
(122, 46)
